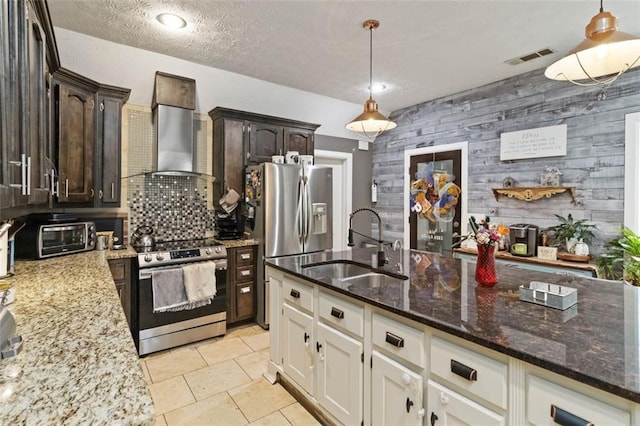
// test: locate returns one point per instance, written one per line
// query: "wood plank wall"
(594, 163)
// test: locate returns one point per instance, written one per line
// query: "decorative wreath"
(434, 196)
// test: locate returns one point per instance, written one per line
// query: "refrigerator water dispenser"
(319, 211)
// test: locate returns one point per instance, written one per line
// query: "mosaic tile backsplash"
(176, 207)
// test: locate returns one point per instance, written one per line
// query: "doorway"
(342, 165)
(435, 196)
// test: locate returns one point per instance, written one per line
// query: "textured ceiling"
(422, 50)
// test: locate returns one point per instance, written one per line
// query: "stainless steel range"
(163, 330)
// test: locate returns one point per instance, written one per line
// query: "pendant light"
(370, 123)
(606, 52)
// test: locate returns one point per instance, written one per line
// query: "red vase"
(486, 266)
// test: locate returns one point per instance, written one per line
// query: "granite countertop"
(243, 242)
(125, 253)
(594, 342)
(79, 364)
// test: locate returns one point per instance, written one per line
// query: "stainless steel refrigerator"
(288, 210)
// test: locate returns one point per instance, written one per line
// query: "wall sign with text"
(534, 143)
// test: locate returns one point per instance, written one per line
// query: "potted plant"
(572, 231)
(621, 260)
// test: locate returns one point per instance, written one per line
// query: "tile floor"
(219, 382)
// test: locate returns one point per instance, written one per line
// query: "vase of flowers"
(486, 236)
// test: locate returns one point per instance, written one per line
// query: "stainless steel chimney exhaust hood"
(174, 148)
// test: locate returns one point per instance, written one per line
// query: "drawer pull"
(245, 290)
(337, 313)
(318, 347)
(396, 341)
(245, 273)
(434, 419)
(565, 418)
(295, 294)
(245, 256)
(463, 371)
(306, 337)
(408, 404)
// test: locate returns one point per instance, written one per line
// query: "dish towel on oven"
(200, 283)
(168, 290)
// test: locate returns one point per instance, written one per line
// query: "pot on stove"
(142, 238)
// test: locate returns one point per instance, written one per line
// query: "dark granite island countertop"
(594, 342)
(79, 364)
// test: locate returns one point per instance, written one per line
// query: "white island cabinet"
(357, 363)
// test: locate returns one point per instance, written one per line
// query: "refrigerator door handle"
(300, 211)
(307, 214)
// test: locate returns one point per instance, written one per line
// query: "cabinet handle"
(245, 256)
(66, 189)
(463, 371)
(23, 170)
(306, 337)
(565, 418)
(408, 404)
(337, 313)
(29, 175)
(92, 193)
(318, 347)
(245, 290)
(101, 106)
(295, 294)
(113, 190)
(433, 419)
(100, 194)
(396, 341)
(54, 190)
(245, 273)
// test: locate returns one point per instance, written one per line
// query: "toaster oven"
(43, 240)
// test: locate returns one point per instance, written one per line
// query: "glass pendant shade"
(370, 123)
(606, 53)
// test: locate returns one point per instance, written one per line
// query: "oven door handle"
(144, 274)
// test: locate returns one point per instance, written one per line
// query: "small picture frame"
(550, 179)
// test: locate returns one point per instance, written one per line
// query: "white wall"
(124, 66)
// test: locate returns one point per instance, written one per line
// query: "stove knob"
(207, 251)
(159, 257)
(218, 250)
(148, 258)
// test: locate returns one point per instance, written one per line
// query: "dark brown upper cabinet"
(242, 138)
(28, 55)
(87, 141)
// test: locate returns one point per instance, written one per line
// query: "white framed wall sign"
(534, 143)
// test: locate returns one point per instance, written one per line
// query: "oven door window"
(56, 239)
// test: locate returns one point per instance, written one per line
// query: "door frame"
(632, 172)
(347, 194)
(463, 147)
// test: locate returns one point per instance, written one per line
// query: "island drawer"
(546, 399)
(480, 375)
(297, 294)
(341, 314)
(399, 339)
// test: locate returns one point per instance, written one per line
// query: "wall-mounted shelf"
(533, 193)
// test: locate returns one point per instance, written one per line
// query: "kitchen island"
(78, 364)
(463, 350)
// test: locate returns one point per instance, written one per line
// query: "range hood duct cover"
(174, 149)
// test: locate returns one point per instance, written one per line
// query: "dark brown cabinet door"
(121, 272)
(265, 140)
(39, 142)
(75, 120)
(109, 124)
(298, 140)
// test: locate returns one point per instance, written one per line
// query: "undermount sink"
(352, 274)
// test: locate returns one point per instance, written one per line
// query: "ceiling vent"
(530, 56)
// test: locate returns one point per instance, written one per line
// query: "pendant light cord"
(371, 62)
(601, 8)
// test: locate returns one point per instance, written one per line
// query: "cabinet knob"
(444, 398)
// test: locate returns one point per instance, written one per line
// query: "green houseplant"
(571, 231)
(621, 259)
